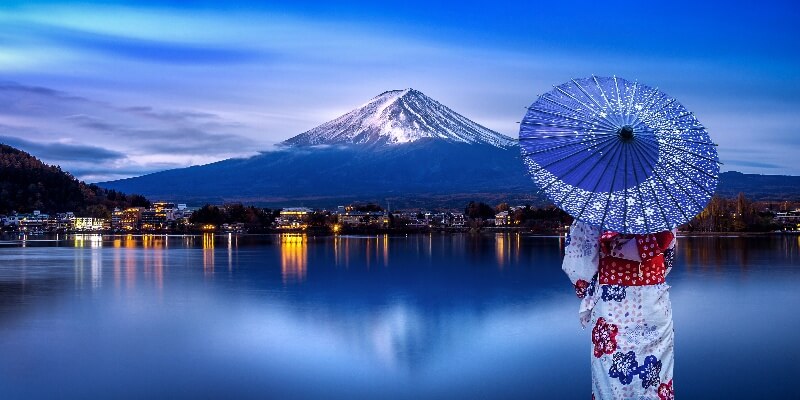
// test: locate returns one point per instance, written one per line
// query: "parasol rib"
(575, 186)
(643, 159)
(603, 143)
(664, 184)
(599, 122)
(597, 182)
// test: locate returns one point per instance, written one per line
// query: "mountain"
(27, 184)
(401, 147)
(397, 117)
(759, 187)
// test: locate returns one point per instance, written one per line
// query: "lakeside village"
(168, 217)
(721, 215)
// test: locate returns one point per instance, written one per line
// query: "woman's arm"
(581, 256)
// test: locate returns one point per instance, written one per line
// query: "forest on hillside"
(28, 184)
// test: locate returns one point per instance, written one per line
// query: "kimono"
(620, 280)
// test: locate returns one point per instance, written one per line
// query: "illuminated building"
(789, 220)
(35, 222)
(349, 216)
(153, 220)
(127, 219)
(294, 218)
(501, 218)
(89, 224)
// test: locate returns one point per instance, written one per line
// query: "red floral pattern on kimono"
(665, 391)
(604, 338)
(580, 288)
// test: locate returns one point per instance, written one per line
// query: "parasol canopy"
(619, 155)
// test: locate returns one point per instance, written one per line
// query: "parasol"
(619, 155)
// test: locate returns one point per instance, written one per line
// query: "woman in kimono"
(625, 301)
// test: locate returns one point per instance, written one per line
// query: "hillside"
(759, 187)
(27, 184)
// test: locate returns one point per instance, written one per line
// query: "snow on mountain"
(400, 116)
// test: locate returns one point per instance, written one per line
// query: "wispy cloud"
(58, 152)
(98, 140)
(150, 50)
(175, 83)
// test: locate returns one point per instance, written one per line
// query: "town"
(168, 217)
(721, 215)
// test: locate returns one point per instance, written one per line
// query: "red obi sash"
(620, 271)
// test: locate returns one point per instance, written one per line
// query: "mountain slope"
(400, 147)
(426, 171)
(759, 187)
(396, 117)
(27, 184)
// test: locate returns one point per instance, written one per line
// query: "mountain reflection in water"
(417, 316)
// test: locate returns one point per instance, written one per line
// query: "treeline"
(548, 218)
(734, 215)
(28, 184)
(254, 219)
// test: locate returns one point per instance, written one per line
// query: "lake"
(407, 316)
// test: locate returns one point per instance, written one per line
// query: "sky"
(113, 89)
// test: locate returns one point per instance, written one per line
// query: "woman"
(625, 301)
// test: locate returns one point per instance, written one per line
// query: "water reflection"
(294, 257)
(93, 241)
(419, 316)
(371, 250)
(507, 248)
(208, 253)
(708, 254)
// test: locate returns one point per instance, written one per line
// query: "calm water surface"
(420, 316)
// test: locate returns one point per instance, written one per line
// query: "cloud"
(55, 151)
(752, 164)
(98, 140)
(142, 49)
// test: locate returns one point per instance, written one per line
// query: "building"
(128, 219)
(9, 220)
(166, 209)
(789, 220)
(89, 224)
(153, 220)
(294, 218)
(458, 221)
(349, 216)
(35, 222)
(502, 219)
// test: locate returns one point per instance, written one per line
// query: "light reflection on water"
(418, 316)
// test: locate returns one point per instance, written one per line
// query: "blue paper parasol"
(619, 155)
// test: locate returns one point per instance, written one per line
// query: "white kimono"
(626, 303)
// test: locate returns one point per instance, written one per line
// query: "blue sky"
(116, 89)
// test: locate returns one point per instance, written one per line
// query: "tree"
(479, 210)
(208, 214)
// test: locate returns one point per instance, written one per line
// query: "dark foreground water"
(450, 316)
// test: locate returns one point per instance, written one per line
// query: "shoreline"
(15, 236)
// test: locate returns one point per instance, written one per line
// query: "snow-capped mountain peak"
(396, 117)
